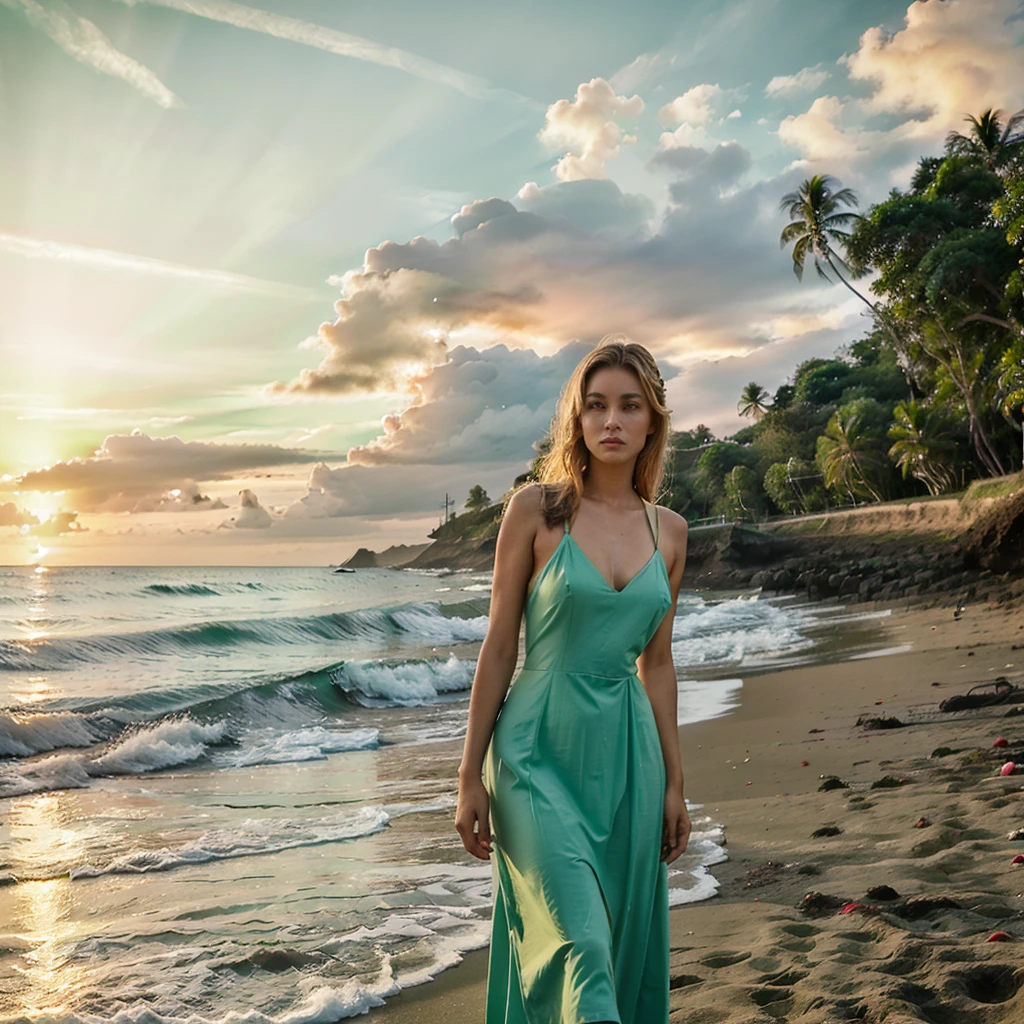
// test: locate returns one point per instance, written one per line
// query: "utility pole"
(449, 503)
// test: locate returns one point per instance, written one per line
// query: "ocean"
(228, 793)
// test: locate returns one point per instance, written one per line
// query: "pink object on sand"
(998, 937)
(849, 908)
(1008, 769)
(1019, 859)
(1001, 742)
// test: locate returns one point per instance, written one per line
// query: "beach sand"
(755, 952)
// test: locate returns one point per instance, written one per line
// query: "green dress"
(576, 782)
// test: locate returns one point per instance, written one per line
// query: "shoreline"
(749, 953)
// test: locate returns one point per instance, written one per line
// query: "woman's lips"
(613, 441)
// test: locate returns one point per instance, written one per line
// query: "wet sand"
(759, 951)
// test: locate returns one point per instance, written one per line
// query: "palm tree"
(817, 223)
(922, 446)
(988, 140)
(846, 453)
(753, 401)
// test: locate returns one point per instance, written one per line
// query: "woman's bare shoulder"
(523, 508)
(672, 520)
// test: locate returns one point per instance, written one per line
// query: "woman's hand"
(675, 834)
(472, 811)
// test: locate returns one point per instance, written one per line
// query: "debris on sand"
(875, 722)
(888, 782)
(999, 691)
(815, 903)
(826, 830)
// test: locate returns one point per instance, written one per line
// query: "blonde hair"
(561, 473)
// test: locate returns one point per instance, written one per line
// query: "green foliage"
(795, 486)
(850, 455)
(753, 401)
(784, 395)
(700, 435)
(744, 495)
(948, 273)
(821, 381)
(477, 498)
(712, 468)
(924, 446)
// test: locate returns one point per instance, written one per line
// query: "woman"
(581, 768)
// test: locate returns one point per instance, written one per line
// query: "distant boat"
(344, 568)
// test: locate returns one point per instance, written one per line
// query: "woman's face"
(616, 417)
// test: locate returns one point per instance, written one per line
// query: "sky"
(277, 278)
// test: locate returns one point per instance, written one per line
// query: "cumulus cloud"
(11, 515)
(586, 263)
(127, 468)
(186, 498)
(477, 407)
(805, 80)
(696, 107)
(701, 169)
(404, 490)
(253, 516)
(950, 59)
(589, 127)
(57, 525)
(593, 205)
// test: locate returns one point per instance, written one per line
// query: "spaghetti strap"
(652, 520)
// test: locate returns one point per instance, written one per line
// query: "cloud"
(952, 58)
(127, 468)
(477, 407)
(722, 166)
(589, 127)
(57, 525)
(186, 498)
(695, 107)
(399, 491)
(342, 44)
(949, 59)
(253, 515)
(580, 260)
(595, 205)
(11, 515)
(805, 80)
(63, 252)
(80, 38)
(641, 70)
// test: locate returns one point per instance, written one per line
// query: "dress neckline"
(653, 527)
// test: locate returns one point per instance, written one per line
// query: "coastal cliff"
(875, 552)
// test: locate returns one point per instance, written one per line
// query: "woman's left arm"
(658, 674)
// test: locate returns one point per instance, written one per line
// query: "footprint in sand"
(774, 1001)
(683, 980)
(801, 941)
(988, 983)
(782, 978)
(723, 958)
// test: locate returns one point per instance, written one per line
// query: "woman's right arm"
(513, 566)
